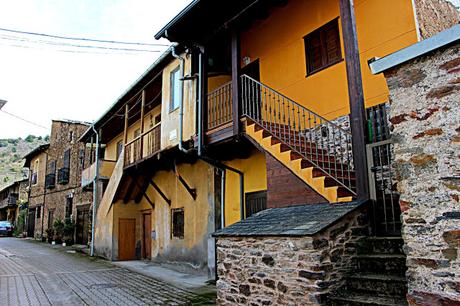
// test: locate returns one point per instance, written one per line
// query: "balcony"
(50, 181)
(220, 113)
(105, 171)
(63, 176)
(10, 201)
(143, 147)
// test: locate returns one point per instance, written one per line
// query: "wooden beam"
(142, 190)
(143, 193)
(355, 96)
(235, 46)
(160, 192)
(141, 146)
(125, 131)
(129, 191)
(190, 190)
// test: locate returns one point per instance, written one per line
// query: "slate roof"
(303, 220)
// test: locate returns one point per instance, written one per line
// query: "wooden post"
(203, 100)
(235, 46)
(125, 132)
(355, 96)
(141, 145)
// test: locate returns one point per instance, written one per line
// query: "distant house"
(11, 198)
(55, 182)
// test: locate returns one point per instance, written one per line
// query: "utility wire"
(25, 120)
(60, 44)
(83, 39)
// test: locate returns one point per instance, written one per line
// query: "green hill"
(11, 152)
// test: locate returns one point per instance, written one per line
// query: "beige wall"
(170, 120)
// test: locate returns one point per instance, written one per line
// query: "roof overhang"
(423, 47)
(132, 90)
(34, 153)
(202, 19)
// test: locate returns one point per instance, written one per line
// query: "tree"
(30, 138)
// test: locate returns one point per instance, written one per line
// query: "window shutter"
(332, 42)
(67, 159)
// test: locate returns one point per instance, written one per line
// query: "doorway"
(82, 226)
(252, 70)
(147, 236)
(127, 239)
(31, 223)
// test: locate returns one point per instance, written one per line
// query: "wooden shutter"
(67, 158)
(322, 47)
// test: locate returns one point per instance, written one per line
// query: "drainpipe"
(222, 198)
(223, 167)
(95, 191)
(181, 103)
(44, 196)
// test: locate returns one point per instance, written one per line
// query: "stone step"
(382, 263)
(356, 299)
(377, 284)
(381, 245)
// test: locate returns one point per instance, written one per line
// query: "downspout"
(181, 100)
(95, 191)
(44, 196)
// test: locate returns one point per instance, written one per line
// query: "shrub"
(20, 223)
(58, 227)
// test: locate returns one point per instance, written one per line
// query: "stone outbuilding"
(294, 255)
(424, 83)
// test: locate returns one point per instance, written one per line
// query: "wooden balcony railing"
(143, 146)
(220, 106)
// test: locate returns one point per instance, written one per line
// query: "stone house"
(11, 199)
(55, 182)
(424, 83)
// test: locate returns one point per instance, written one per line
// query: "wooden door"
(127, 239)
(252, 70)
(83, 224)
(31, 223)
(147, 236)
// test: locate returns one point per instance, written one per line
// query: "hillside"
(11, 153)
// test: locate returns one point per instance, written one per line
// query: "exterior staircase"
(379, 276)
(313, 148)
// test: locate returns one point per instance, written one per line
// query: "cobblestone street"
(32, 273)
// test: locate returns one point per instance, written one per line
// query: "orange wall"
(383, 27)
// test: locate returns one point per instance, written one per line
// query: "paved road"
(33, 273)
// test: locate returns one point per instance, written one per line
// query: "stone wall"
(425, 117)
(434, 16)
(286, 270)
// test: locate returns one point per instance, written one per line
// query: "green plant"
(58, 227)
(68, 230)
(20, 223)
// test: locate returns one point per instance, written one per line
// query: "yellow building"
(250, 112)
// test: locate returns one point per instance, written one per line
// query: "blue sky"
(43, 84)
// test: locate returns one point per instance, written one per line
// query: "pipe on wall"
(181, 98)
(95, 191)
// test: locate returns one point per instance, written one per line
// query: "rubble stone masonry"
(287, 270)
(425, 116)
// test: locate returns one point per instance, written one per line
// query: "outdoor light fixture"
(2, 103)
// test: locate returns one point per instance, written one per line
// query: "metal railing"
(324, 144)
(143, 146)
(386, 212)
(220, 106)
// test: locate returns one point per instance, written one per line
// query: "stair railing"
(322, 143)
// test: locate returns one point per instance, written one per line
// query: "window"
(178, 223)
(175, 89)
(68, 207)
(38, 213)
(71, 136)
(322, 47)
(81, 157)
(255, 202)
(67, 158)
(119, 148)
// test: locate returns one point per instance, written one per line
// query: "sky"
(41, 83)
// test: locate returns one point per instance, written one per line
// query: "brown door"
(83, 225)
(127, 239)
(147, 233)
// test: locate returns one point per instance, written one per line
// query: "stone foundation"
(425, 114)
(287, 270)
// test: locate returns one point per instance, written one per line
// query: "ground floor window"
(255, 202)
(177, 216)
